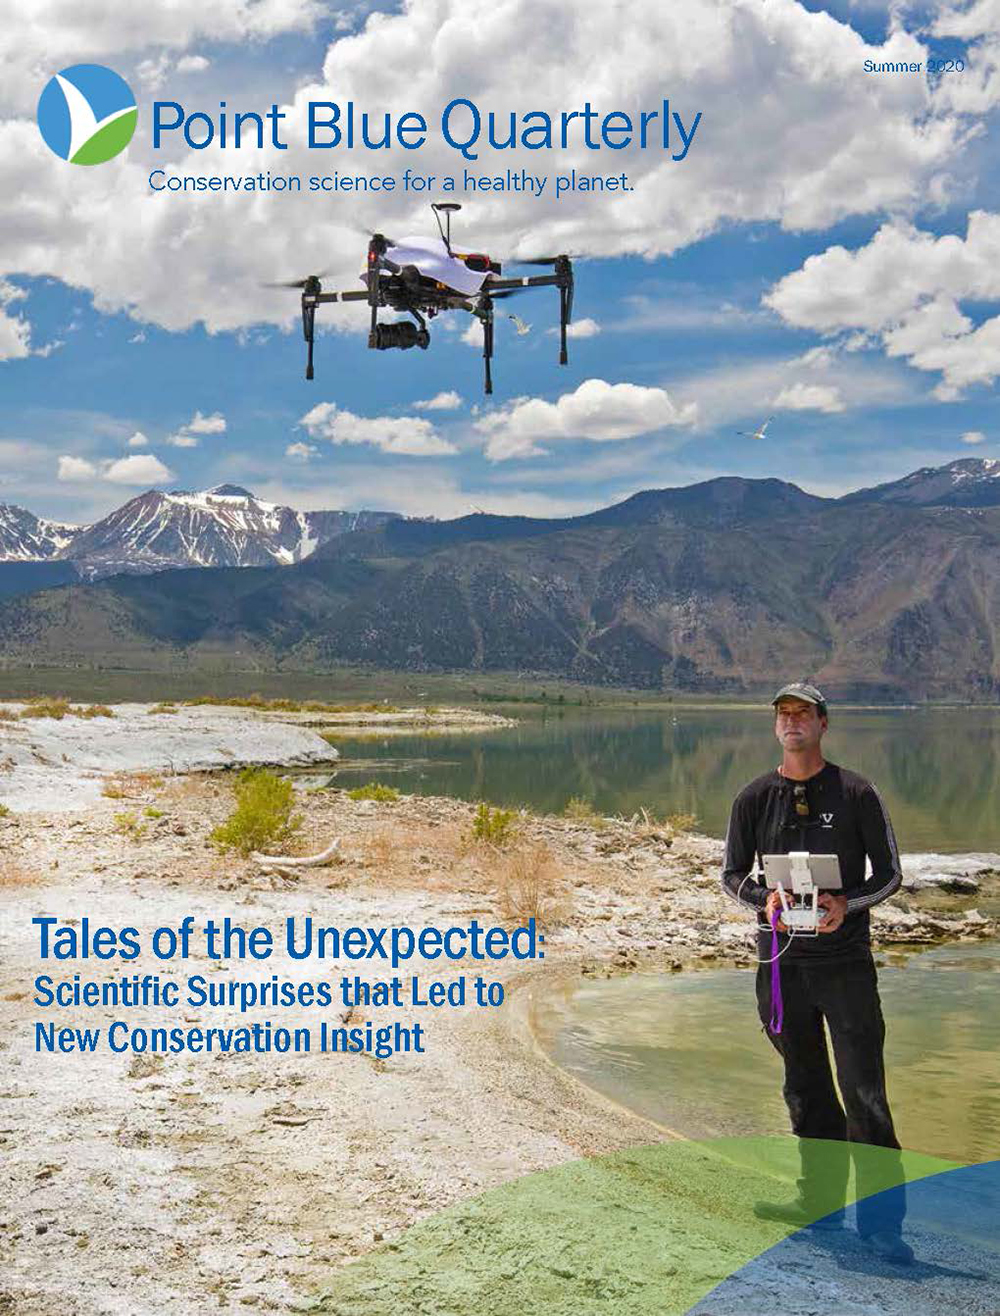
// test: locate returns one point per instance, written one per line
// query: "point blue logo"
(87, 114)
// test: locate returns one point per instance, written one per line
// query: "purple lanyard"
(777, 1004)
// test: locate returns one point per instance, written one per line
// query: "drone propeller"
(541, 260)
(298, 283)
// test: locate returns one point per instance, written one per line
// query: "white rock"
(61, 764)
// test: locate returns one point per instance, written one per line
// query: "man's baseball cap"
(802, 690)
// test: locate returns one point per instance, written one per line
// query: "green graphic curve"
(108, 141)
(644, 1232)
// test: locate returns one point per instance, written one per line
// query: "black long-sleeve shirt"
(846, 818)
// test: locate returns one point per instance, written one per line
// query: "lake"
(686, 1049)
(937, 768)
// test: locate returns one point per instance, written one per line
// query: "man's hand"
(836, 909)
(774, 903)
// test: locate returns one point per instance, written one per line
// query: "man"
(810, 804)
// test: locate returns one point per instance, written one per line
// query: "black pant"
(845, 994)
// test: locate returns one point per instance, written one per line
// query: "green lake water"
(686, 1049)
(938, 769)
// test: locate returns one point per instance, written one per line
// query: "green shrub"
(374, 791)
(56, 707)
(263, 815)
(493, 826)
(129, 825)
(150, 812)
(4, 811)
(581, 810)
(93, 710)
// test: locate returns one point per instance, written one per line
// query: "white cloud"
(15, 331)
(973, 437)
(905, 287)
(75, 469)
(192, 64)
(301, 452)
(977, 89)
(15, 337)
(407, 435)
(809, 397)
(138, 440)
(447, 401)
(187, 435)
(50, 34)
(143, 468)
(199, 424)
(437, 493)
(745, 393)
(596, 411)
(585, 328)
(152, 73)
(831, 145)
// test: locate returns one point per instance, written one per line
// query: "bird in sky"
(757, 434)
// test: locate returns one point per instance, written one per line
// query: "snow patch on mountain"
(226, 526)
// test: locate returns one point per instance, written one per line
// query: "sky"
(826, 255)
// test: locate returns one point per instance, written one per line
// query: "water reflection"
(938, 769)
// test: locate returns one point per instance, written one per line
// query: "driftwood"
(326, 856)
(289, 866)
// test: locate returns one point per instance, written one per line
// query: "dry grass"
(130, 785)
(7, 716)
(13, 874)
(381, 848)
(529, 885)
(375, 791)
(682, 822)
(188, 790)
(288, 705)
(93, 710)
(580, 810)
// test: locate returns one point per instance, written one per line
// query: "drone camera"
(399, 333)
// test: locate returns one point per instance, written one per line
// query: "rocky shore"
(44, 759)
(184, 1184)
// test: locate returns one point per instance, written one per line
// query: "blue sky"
(715, 296)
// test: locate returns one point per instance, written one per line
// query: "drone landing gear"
(485, 312)
(310, 296)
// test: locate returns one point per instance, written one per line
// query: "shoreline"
(246, 1181)
(70, 758)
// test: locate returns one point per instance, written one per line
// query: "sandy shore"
(185, 1184)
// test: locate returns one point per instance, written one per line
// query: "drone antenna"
(447, 207)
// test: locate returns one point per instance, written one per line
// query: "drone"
(421, 277)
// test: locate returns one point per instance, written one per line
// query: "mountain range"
(889, 594)
(222, 527)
